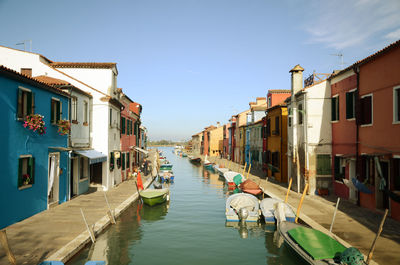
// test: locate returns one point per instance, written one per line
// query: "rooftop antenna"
(24, 43)
(341, 58)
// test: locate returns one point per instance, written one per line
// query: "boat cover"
(249, 185)
(242, 202)
(317, 244)
(238, 179)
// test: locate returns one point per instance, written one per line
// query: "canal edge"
(65, 253)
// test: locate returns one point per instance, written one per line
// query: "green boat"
(166, 167)
(152, 197)
(316, 247)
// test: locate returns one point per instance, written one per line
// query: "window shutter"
(123, 161)
(58, 109)
(52, 111)
(32, 169)
(277, 125)
(397, 97)
(122, 125)
(29, 103)
(19, 104)
(32, 103)
(128, 160)
(366, 110)
(349, 105)
(333, 109)
(19, 172)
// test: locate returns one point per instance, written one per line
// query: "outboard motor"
(243, 214)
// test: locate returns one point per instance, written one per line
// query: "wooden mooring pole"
(89, 228)
(7, 249)
(244, 169)
(110, 212)
(288, 190)
(301, 202)
(334, 214)
(371, 252)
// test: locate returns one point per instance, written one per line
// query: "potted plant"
(64, 127)
(35, 123)
(26, 179)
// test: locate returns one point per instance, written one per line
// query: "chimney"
(218, 123)
(297, 79)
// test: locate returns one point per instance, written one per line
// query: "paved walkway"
(353, 224)
(62, 228)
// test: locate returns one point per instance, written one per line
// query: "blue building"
(34, 163)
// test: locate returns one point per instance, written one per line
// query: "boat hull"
(153, 197)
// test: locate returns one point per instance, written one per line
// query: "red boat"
(251, 187)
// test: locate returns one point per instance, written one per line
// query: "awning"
(141, 150)
(93, 155)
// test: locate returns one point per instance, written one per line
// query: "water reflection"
(153, 213)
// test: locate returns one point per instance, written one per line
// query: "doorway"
(74, 177)
(382, 198)
(96, 173)
(53, 179)
(352, 174)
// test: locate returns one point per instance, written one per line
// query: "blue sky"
(191, 63)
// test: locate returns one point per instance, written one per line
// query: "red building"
(372, 85)
(130, 119)
(344, 129)
(205, 143)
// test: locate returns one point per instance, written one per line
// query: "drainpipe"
(356, 70)
(281, 132)
(305, 127)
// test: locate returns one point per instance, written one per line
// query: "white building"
(309, 133)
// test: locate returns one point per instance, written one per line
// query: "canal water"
(190, 229)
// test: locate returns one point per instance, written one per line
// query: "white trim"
(351, 90)
(57, 99)
(25, 187)
(25, 156)
(394, 105)
(372, 109)
(396, 156)
(25, 89)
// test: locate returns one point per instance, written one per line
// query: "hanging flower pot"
(35, 123)
(64, 127)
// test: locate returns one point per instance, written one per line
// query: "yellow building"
(277, 143)
(216, 141)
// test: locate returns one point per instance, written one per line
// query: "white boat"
(268, 206)
(242, 207)
(220, 170)
(230, 175)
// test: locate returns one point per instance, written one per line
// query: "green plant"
(64, 127)
(35, 123)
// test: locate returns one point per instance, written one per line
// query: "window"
(367, 170)
(335, 108)
(25, 103)
(269, 127)
(396, 104)
(275, 159)
(276, 132)
(123, 161)
(119, 161)
(269, 102)
(300, 114)
(366, 110)
(55, 110)
(339, 170)
(396, 174)
(26, 71)
(350, 104)
(110, 117)
(128, 160)
(85, 112)
(123, 125)
(82, 167)
(112, 162)
(323, 164)
(26, 171)
(74, 109)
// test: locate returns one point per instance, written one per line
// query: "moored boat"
(165, 167)
(314, 246)
(154, 196)
(242, 207)
(233, 178)
(251, 187)
(267, 207)
(220, 170)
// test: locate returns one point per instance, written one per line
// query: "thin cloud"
(394, 35)
(343, 24)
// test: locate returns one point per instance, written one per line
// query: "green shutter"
(32, 103)
(123, 161)
(323, 165)
(19, 104)
(52, 111)
(333, 109)
(128, 160)
(31, 168)
(349, 105)
(122, 125)
(20, 172)
(58, 108)
(29, 103)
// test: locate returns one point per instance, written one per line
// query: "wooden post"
(288, 190)
(301, 202)
(248, 172)
(244, 169)
(110, 213)
(229, 165)
(334, 214)
(7, 249)
(89, 228)
(371, 252)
